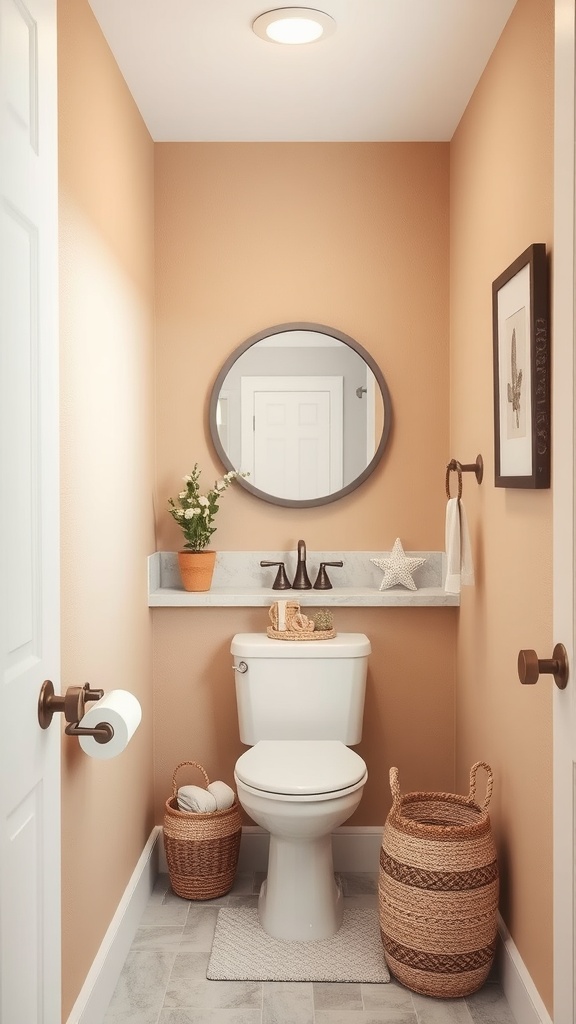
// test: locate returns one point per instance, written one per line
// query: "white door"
(292, 435)
(29, 497)
(563, 403)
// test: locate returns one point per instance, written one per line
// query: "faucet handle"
(322, 581)
(281, 582)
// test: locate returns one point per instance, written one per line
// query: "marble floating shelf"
(239, 581)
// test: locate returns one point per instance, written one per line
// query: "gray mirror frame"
(386, 400)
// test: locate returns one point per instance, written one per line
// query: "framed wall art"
(520, 317)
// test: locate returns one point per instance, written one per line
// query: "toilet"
(300, 708)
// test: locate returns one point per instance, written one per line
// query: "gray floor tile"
(243, 884)
(441, 1011)
(158, 937)
(357, 883)
(391, 996)
(249, 900)
(331, 996)
(285, 1002)
(198, 933)
(210, 1017)
(210, 995)
(140, 991)
(165, 910)
(187, 967)
(489, 1006)
(369, 1017)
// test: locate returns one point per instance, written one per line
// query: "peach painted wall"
(106, 239)
(354, 236)
(501, 202)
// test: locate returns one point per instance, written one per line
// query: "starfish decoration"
(398, 568)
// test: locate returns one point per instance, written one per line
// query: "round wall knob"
(530, 666)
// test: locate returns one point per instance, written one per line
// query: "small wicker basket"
(438, 890)
(201, 848)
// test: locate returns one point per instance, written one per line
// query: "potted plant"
(195, 513)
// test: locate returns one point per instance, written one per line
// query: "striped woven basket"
(438, 889)
(201, 848)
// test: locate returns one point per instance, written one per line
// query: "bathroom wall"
(501, 201)
(106, 275)
(354, 236)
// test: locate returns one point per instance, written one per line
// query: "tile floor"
(164, 978)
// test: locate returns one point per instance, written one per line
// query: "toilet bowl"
(300, 709)
(299, 791)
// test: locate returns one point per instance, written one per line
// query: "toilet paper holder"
(72, 705)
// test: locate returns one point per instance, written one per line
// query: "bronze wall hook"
(458, 467)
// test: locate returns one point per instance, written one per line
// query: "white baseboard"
(355, 849)
(103, 975)
(519, 989)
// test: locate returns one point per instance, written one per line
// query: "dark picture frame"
(520, 326)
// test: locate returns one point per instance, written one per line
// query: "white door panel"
(29, 568)
(564, 398)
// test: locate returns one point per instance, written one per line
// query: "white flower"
(202, 500)
(189, 513)
(182, 495)
(195, 511)
(187, 479)
(221, 485)
(206, 513)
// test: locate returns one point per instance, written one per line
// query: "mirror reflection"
(303, 409)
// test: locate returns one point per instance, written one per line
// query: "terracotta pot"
(196, 569)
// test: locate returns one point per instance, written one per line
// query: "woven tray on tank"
(201, 848)
(289, 634)
(438, 889)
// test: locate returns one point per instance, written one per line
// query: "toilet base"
(300, 899)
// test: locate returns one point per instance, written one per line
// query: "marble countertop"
(239, 581)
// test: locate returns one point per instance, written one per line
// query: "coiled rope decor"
(438, 889)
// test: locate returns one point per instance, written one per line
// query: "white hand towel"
(223, 795)
(196, 799)
(459, 566)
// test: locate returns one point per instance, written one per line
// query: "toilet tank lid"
(259, 645)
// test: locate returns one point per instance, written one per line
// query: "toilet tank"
(300, 689)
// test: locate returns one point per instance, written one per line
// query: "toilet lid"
(300, 767)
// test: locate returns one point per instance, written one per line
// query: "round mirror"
(304, 410)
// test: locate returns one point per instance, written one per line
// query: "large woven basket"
(438, 889)
(201, 848)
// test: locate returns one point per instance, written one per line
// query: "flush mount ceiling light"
(294, 25)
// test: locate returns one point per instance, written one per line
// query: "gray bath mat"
(242, 951)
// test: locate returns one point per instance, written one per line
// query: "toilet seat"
(304, 768)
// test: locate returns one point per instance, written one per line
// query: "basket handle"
(489, 782)
(181, 765)
(395, 786)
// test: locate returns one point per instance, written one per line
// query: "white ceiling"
(394, 70)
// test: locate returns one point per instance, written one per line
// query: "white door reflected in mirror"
(305, 438)
(292, 434)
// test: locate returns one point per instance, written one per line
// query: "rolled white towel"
(223, 795)
(196, 799)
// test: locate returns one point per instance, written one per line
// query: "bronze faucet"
(301, 581)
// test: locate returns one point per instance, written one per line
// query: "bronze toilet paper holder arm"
(72, 705)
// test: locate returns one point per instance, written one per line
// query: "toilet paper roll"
(122, 711)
